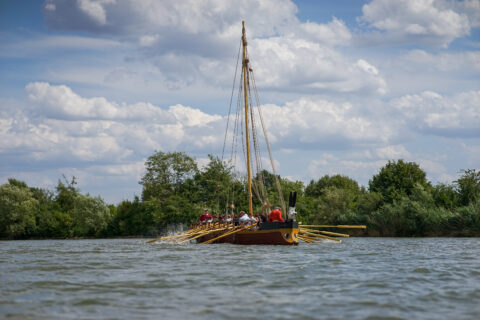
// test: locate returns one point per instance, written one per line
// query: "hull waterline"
(269, 233)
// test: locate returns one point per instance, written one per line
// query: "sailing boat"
(277, 233)
(286, 232)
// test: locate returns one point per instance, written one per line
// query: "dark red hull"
(274, 233)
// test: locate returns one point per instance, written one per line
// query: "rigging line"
(260, 185)
(255, 183)
(232, 159)
(261, 194)
(259, 109)
(242, 133)
(231, 98)
(258, 158)
(233, 154)
(244, 139)
(236, 127)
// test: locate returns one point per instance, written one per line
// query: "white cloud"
(171, 18)
(46, 44)
(314, 124)
(360, 170)
(92, 129)
(432, 113)
(192, 42)
(49, 6)
(95, 9)
(61, 102)
(470, 8)
(433, 22)
(64, 125)
(332, 33)
(302, 65)
(393, 152)
(467, 62)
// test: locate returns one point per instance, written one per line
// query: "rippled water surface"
(360, 278)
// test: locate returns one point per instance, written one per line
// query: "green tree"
(445, 196)
(397, 179)
(66, 194)
(90, 215)
(132, 219)
(50, 220)
(214, 185)
(468, 186)
(334, 203)
(369, 202)
(273, 196)
(17, 210)
(317, 188)
(166, 173)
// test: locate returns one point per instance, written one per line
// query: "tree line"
(399, 201)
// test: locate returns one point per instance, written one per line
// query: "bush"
(17, 211)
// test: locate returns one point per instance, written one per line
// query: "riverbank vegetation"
(399, 201)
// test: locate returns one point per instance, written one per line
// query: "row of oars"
(308, 234)
(226, 229)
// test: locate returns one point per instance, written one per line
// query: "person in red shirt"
(208, 217)
(275, 215)
(203, 217)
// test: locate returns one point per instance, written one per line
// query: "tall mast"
(245, 74)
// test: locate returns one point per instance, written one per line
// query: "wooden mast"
(247, 138)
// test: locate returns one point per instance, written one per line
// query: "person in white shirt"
(243, 219)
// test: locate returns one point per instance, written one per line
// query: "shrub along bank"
(399, 201)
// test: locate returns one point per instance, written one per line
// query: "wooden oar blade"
(335, 226)
(336, 234)
(308, 239)
(229, 233)
(314, 235)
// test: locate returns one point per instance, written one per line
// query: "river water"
(360, 278)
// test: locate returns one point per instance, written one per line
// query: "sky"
(92, 88)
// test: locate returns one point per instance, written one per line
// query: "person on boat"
(275, 215)
(243, 218)
(252, 218)
(228, 218)
(208, 217)
(263, 218)
(203, 217)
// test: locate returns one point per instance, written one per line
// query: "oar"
(203, 234)
(307, 239)
(326, 232)
(229, 233)
(337, 226)
(189, 232)
(180, 235)
(164, 238)
(200, 229)
(335, 234)
(320, 236)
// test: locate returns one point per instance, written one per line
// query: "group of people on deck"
(242, 217)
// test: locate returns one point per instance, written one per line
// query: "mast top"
(244, 36)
